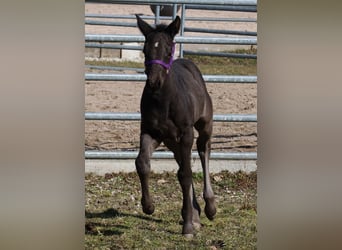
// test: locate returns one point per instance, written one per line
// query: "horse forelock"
(160, 27)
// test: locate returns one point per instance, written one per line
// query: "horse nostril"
(150, 82)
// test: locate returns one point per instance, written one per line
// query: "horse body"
(174, 101)
(160, 109)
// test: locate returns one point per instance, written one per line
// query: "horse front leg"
(143, 167)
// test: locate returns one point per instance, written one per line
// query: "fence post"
(157, 15)
(182, 30)
(174, 13)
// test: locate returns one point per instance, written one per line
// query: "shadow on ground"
(93, 228)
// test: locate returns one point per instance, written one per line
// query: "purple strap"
(167, 66)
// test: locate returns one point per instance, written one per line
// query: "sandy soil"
(125, 96)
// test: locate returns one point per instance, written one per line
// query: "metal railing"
(178, 39)
(201, 2)
(94, 154)
(137, 117)
(239, 5)
(91, 38)
(142, 77)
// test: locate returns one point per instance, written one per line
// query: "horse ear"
(173, 28)
(144, 27)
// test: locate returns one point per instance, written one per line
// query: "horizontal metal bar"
(168, 155)
(178, 39)
(106, 23)
(221, 19)
(138, 70)
(137, 117)
(220, 54)
(215, 2)
(235, 118)
(125, 16)
(112, 116)
(186, 29)
(226, 32)
(213, 19)
(113, 46)
(113, 38)
(223, 8)
(142, 77)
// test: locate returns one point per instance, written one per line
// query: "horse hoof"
(210, 211)
(188, 236)
(148, 209)
(197, 225)
(188, 229)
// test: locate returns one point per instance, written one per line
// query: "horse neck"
(169, 85)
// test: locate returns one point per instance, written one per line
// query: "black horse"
(174, 101)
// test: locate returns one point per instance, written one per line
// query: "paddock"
(104, 106)
(114, 219)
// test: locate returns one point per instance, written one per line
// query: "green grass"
(212, 65)
(114, 218)
(207, 64)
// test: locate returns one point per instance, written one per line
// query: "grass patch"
(114, 218)
(210, 65)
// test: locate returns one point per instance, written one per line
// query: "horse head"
(159, 48)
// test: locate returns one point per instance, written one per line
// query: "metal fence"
(238, 5)
(199, 2)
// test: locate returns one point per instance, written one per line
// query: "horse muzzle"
(155, 78)
(154, 84)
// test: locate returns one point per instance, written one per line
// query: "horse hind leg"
(203, 147)
(196, 209)
(142, 163)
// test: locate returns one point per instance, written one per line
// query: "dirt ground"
(125, 96)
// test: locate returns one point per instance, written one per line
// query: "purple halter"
(167, 66)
